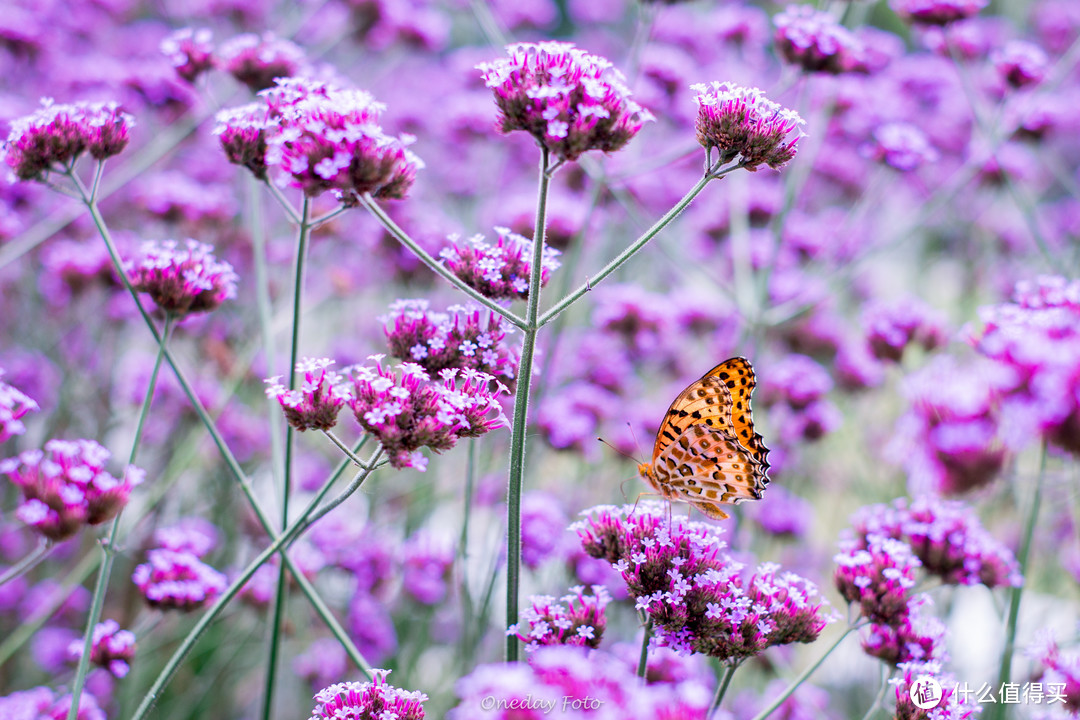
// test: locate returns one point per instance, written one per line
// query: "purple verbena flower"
(177, 580)
(900, 145)
(14, 405)
(458, 338)
(65, 486)
(316, 404)
(112, 649)
(322, 663)
(499, 271)
(918, 637)
(242, 132)
(1060, 672)
(936, 12)
(371, 627)
(427, 561)
(407, 410)
(41, 703)
(53, 137)
(1021, 64)
(567, 99)
(190, 51)
(543, 522)
(195, 535)
(574, 619)
(877, 576)
(946, 536)
(891, 327)
(953, 705)
(258, 61)
(796, 380)
(815, 41)
(741, 122)
(376, 699)
(182, 278)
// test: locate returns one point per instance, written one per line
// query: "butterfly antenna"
(637, 445)
(625, 455)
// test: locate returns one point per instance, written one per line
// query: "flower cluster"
(1037, 339)
(407, 410)
(694, 593)
(172, 579)
(742, 123)
(458, 338)
(1059, 669)
(41, 703)
(891, 327)
(946, 536)
(877, 575)
(499, 271)
(66, 486)
(936, 12)
(901, 146)
(258, 61)
(53, 137)
(795, 389)
(190, 51)
(573, 683)
(814, 41)
(1021, 64)
(14, 404)
(427, 561)
(567, 99)
(374, 699)
(195, 535)
(916, 637)
(551, 622)
(182, 278)
(315, 406)
(953, 705)
(318, 137)
(112, 649)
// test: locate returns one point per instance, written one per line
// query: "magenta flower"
(190, 51)
(567, 99)
(375, 699)
(815, 41)
(742, 123)
(1021, 64)
(900, 145)
(695, 594)
(52, 138)
(917, 637)
(458, 338)
(242, 132)
(315, 406)
(877, 577)
(258, 61)
(543, 523)
(574, 619)
(953, 705)
(371, 627)
(14, 405)
(195, 535)
(427, 562)
(66, 487)
(322, 663)
(499, 271)
(407, 410)
(41, 703)
(182, 279)
(936, 12)
(891, 327)
(946, 536)
(113, 648)
(1060, 671)
(173, 580)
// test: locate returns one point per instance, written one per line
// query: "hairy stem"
(803, 677)
(643, 658)
(721, 689)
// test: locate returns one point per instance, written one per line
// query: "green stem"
(28, 563)
(467, 604)
(643, 658)
(803, 676)
(349, 454)
(880, 697)
(1014, 597)
(521, 410)
(721, 689)
(439, 269)
(97, 603)
(281, 595)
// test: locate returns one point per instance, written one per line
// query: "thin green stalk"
(281, 594)
(521, 409)
(436, 266)
(280, 543)
(463, 554)
(643, 658)
(880, 697)
(108, 548)
(1014, 596)
(349, 454)
(28, 563)
(803, 676)
(721, 689)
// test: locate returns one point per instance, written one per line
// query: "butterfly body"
(707, 453)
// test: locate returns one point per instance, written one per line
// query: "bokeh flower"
(427, 562)
(191, 52)
(41, 703)
(14, 405)
(112, 649)
(815, 41)
(936, 12)
(182, 278)
(257, 60)
(742, 123)
(176, 580)
(900, 145)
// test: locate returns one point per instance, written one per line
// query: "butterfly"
(707, 453)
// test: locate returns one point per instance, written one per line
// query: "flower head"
(14, 404)
(936, 12)
(952, 706)
(892, 327)
(741, 122)
(877, 577)
(567, 99)
(1021, 64)
(1062, 671)
(242, 132)
(900, 145)
(41, 703)
(917, 637)
(182, 278)
(426, 565)
(190, 51)
(377, 700)
(322, 394)
(54, 136)
(258, 61)
(500, 271)
(66, 486)
(814, 41)
(407, 410)
(195, 535)
(177, 580)
(113, 648)
(574, 619)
